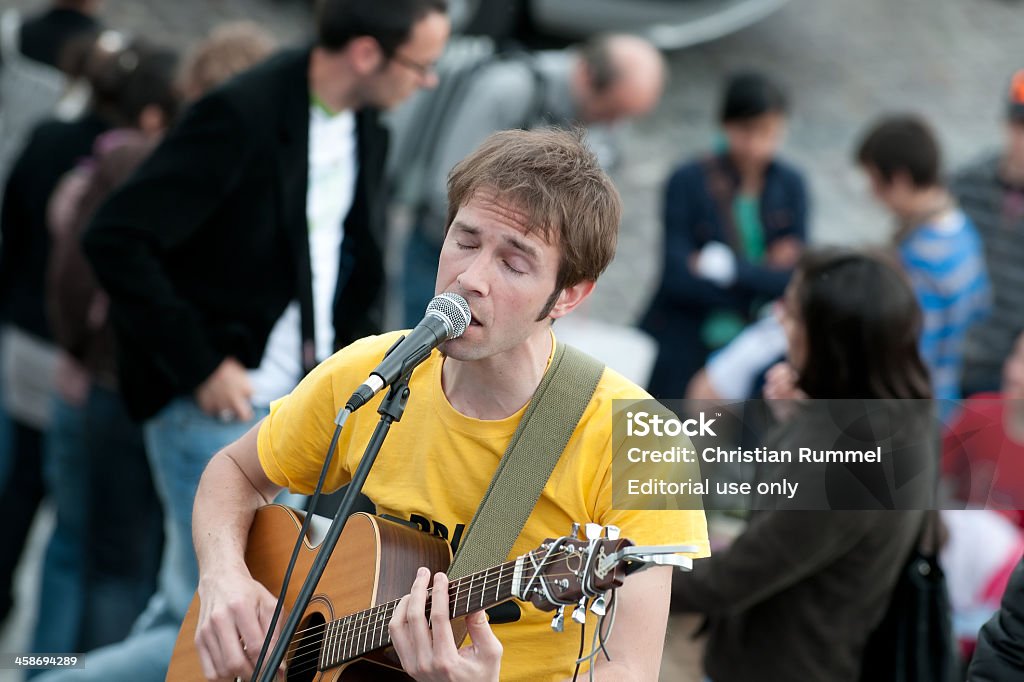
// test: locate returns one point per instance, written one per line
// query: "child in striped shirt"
(936, 242)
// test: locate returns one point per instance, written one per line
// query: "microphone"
(447, 317)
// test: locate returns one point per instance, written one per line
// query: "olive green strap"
(531, 456)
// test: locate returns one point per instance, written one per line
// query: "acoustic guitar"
(343, 634)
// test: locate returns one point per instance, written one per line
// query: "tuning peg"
(558, 621)
(579, 614)
(575, 532)
(599, 606)
(612, 532)
(594, 531)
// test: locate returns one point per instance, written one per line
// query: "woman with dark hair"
(852, 325)
(29, 354)
(796, 596)
(100, 564)
(735, 223)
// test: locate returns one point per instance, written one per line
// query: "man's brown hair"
(556, 183)
(902, 143)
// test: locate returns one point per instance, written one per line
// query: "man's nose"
(474, 278)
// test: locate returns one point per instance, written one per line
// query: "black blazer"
(206, 244)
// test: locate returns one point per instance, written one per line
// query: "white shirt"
(333, 168)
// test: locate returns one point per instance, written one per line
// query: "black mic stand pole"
(391, 410)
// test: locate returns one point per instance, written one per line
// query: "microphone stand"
(391, 410)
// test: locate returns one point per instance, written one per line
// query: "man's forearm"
(232, 605)
(225, 504)
(641, 617)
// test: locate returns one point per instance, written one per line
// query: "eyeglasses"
(422, 70)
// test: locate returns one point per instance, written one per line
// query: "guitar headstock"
(569, 570)
(565, 570)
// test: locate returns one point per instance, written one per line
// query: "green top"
(746, 211)
(722, 326)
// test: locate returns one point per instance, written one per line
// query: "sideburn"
(548, 305)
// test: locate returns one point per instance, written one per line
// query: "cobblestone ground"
(844, 62)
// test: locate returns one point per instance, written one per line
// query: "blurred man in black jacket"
(245, 250)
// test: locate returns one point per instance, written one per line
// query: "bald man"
(615, 78)
(604, 81)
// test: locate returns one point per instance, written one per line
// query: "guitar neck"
(365, 631)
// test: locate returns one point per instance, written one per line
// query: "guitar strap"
(531, 456)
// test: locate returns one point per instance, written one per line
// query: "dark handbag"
(914, 641)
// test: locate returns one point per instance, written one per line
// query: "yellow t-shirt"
(436, 464)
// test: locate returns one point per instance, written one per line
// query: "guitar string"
(373, 626)
(464, 586)
(316, 663)
(500, 568)
(462, 591)
(367, 625)
(370, 622)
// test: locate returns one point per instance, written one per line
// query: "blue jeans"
(62, 586)
(180, 440)
(20, 496)
(125, 524)
(102, 560)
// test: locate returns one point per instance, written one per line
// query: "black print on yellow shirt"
(509, 612)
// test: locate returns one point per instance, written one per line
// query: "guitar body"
(374, 562)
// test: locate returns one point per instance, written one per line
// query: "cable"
(579, 654)
(602, 636)
(340, 422)
(597, 645)
(593, 647)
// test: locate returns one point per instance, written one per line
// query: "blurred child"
(735, 224)
(938, 245)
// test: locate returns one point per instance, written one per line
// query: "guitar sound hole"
(304, 654)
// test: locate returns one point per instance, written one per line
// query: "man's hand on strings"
(428, 650)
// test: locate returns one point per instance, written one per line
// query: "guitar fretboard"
(365, 631)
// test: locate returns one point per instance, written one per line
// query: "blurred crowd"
(149, 312)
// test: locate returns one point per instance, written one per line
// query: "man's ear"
(902, 180)
(365, 55)
(570, 297)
